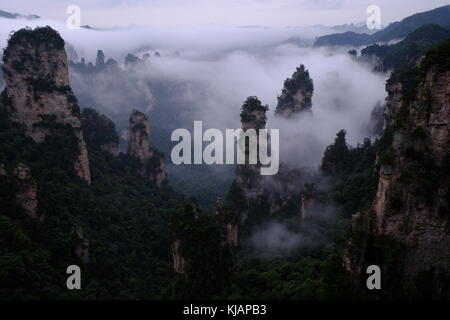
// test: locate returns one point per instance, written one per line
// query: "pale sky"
(275, 13)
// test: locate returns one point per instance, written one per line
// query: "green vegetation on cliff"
(123, 216)
(409, 50)
(353, 173)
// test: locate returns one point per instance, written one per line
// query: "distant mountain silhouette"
(396, 30)
(407, 51)
(9, 15)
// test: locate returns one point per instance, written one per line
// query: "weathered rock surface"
(250, 190)
(151, 161)
(253, 116)
(296, 94)
(139, 135)
(37, 85)
(412, 204)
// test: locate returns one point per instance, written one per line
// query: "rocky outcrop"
(26, 194)
(72, 54)
(139, 138)
(412, 204)
(151, 161)
(254, 195)
(253, 116)
(111, 86)
(248, 182)
(100, 66)
(37, 86)
(100, 60)
(156, 168)
(132, 61)
(296, 94)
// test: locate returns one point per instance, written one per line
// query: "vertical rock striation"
(37, 86)
(151, 161)
(139, 138)
(248, 182)
(253, 116)
(412, 204)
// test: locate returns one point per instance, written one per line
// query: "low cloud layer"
(345, 93)
(283, 238)
(216, 70)
(194, 41)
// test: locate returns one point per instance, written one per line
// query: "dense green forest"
(306, 274)
(127, 222)
(410, 49)
(125, 218)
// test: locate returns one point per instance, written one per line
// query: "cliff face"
(418, 213)
(296, 94)
(100, 60)
(156, 168)
(412, 204)
(139, 143)
(248, 182)
(151, 161)
(38, 149)
(37, 86)
(263, 196)
(253, 116)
